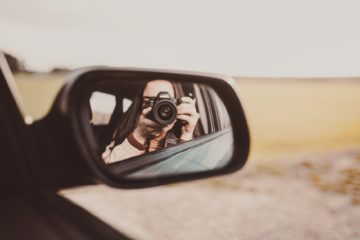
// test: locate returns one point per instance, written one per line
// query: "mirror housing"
(81, 83)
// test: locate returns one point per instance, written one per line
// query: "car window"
(38, 91)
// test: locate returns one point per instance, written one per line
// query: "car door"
(28, 210)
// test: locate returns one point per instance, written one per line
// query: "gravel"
(309, 197)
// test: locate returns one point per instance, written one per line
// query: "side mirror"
(139, 128)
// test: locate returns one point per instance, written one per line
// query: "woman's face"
(154, 87)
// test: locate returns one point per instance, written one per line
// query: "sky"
(244, 38)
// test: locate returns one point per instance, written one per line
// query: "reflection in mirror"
(160, 127)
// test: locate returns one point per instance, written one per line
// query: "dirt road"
(310, 197)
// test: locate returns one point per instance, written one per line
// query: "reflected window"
(102, 107)
(126, 103)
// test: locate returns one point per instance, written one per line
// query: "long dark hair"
(129, 119)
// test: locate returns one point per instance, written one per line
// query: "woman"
(136, 134)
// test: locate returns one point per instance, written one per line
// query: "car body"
(40, 158)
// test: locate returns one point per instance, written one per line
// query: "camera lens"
(165, 112)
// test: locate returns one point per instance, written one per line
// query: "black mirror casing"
(79, 83)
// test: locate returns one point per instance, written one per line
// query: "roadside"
(309, 197)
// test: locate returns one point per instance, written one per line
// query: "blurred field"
(286, 116)
(291, 116)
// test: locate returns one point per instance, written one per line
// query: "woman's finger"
(186, 104)
(183, 104)
(189, 110)
(145, 111)
(150, 123)
(186, 118)
(187, 100)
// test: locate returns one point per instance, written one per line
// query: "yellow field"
(39, 91)
(301, 116)
(285, 116)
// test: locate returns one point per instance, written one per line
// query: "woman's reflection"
(143, 129)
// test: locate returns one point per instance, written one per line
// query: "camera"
(163, 108)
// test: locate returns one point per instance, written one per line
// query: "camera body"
(163, 108)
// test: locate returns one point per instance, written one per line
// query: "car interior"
(208, 105)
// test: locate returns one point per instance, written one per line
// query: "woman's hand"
(148, 129)
(145, 128)
(187, 113)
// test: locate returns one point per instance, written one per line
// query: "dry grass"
(301, 116)
(336, 174)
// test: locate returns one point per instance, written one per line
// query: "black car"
(65, 148)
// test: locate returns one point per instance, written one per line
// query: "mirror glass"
(158, 127)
